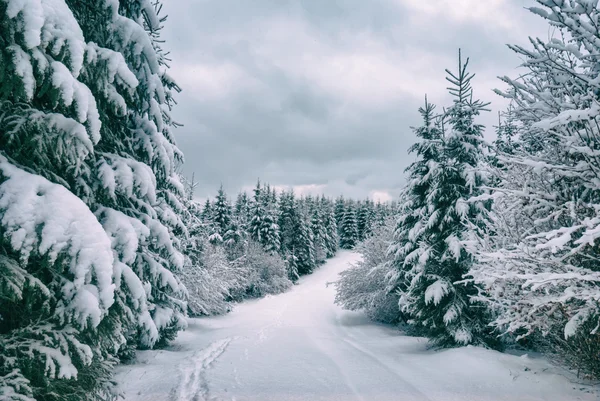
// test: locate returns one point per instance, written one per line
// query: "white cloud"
(487, 13)
(212, 80)
(380, 196)
(324, 102)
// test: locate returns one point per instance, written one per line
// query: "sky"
(320, 95)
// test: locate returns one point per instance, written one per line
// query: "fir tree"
(434, 300)
(318, 231)
(348, 230)
(363, 220)
(207, 212)
(263, 228)
(221, 212)
(242, 210)
(288, 221)
(340, 208)
(331, 231)
(85, 135)
(303, 247)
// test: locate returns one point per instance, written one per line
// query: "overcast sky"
(320, 95)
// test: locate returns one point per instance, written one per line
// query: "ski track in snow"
(377, 360)
(301, 346)
(194, 386)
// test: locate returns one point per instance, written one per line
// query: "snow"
(32, 14)
(38, 216)
(435, 292)
(300, 346)
(576, 321)
(129, 177)
(73, 91)
(62, 29)
(23, 69)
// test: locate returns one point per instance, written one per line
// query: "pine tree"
(373, 222)
(288, 221)
(348, 230)
(207, 212)
(242, 210)
(414, 210)
(303, 247)
(221, 212)
(86, 145)
(291, 261)
(317, 228)
(434, 300)
(380, 214)
(364, 224)
(331, 230)
(340, 208)
(235, 239)
(263, 228)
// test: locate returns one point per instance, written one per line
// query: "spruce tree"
(318, 231)
(88, 183)
(340, 208)
(331, 230)
(348, 230)
(363, 220)
(263, 228)
(242, 210)
(207, 213)
(288, 221)
(221, 212)
(435, 259)
(303, 247)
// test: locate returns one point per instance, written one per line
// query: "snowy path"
(300, 346)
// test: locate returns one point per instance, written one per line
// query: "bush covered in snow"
(214, 281)
(207, 281)
(266, 272)
(369, 285)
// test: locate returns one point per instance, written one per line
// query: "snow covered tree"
(207, 213)
(339, 209)
(235, 239)
(263, 228)
(303, 246)
(205, 269)
(88, 185)
(221, 212)
(364, 223)
(287, 221)
(319, 233)
(331, 231)
(242, 208)
(414, 212)
(291, 264)
(348, 230)
(431, 232)
(539, 264)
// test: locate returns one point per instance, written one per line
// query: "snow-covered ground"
(300, 346)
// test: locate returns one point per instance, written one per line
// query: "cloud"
(320, 95)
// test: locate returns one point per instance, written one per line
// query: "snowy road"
(300, 346)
